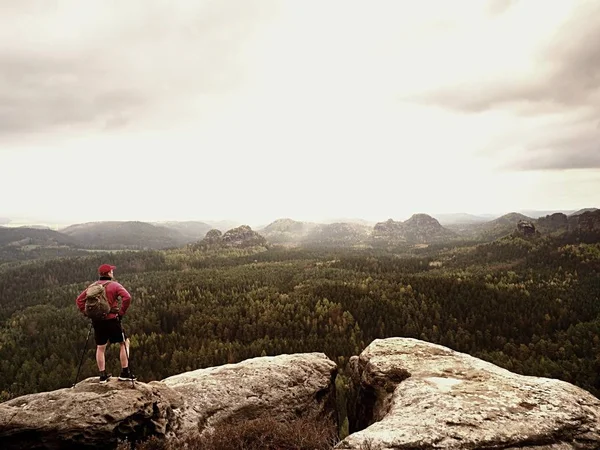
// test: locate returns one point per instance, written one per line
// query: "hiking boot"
(104, 377)
(126, 375)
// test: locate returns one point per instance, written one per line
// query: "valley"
(529, 303)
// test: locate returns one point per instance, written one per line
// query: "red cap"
(105, 268)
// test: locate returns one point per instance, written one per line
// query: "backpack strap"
(100, 284)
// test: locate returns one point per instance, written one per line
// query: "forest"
(531, 305)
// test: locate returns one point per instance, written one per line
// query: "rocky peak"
(285, 226)
(212, 240)
(419, 229)
(242, 236)
(526, 228)
(213, 236)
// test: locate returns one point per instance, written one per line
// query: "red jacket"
(114, 290)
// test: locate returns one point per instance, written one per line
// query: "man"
(109, 329)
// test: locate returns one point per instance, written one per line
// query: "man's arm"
(80, 302)
(125, 299)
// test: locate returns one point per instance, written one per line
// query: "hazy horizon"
(253, 111)
(442, 217)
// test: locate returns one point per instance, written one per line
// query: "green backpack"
(96, 303)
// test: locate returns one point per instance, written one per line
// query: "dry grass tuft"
(257, 434)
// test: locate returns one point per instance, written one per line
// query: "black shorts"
(108, 330)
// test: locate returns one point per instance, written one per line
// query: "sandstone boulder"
(88, 416)
(416, 395)
(95, 416)
(283, 386)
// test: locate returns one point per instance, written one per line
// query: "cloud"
(561, 146)
(65, 68)
(496, 7)
(45, 92)
(563, 85)
(567, 73)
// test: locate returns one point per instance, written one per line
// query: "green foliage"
(531, 306)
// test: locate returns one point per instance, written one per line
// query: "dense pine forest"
(531, 305)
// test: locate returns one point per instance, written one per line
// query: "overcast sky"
(309, 109)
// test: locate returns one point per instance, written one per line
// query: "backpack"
(96, 303)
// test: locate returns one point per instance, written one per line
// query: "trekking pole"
(128, 360)
(83, 354)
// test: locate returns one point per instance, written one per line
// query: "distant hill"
(192, 230)
(18, 237)
(501, 226)
(490, 230)
(535, 214)
(418, 229)
(587, 221)
(356, 220)
(554, 223)
(338, 234)
(287, 231)
(581, 211)
(222, 225)
(506, 220)
(292, 232)
(460, 218)
(125, 235)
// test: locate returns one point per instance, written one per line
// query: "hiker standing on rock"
(100, 302)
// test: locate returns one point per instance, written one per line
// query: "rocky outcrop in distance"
(526, 229)
(419, 229)
(240, 237)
